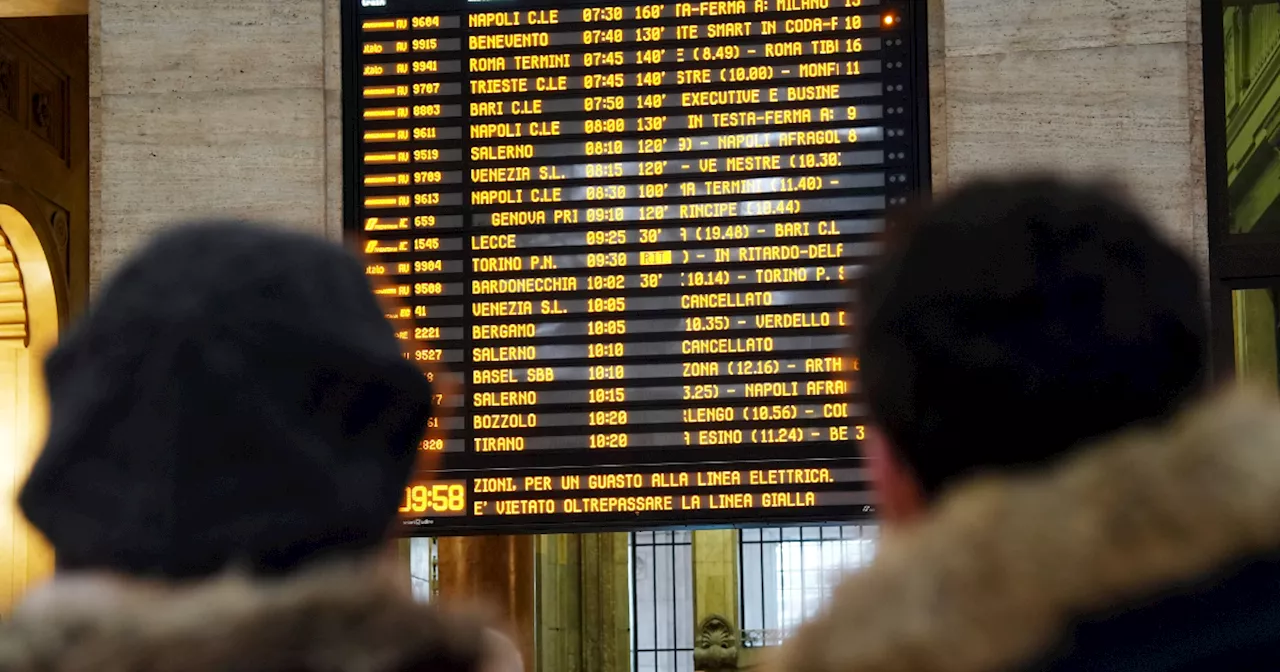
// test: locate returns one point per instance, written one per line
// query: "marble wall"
(1094, 87)
(233, 107)
(205, 108)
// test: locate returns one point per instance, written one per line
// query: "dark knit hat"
(235, 399)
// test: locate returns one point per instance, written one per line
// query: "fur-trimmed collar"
(335, 620)
(1004, 564)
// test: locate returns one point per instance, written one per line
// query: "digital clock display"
(438, 498)
(633, 232)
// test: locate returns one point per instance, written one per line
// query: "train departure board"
(630, 231)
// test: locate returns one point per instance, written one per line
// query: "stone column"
(584, 603)
(715, 600)
(560, 603)
(497, 570)
(1254, 318)
(606, 603)
(715, 574)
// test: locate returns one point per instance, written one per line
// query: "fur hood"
(330, 621)
(1002, 567)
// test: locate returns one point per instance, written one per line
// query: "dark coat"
(1155, 550)
(330, 621)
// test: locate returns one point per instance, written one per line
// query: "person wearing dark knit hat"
(232, 428)
(1060, 491)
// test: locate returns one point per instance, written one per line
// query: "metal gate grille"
(424, 575)
(787, 573)
(662, 601)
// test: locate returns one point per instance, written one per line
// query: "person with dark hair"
(1059, 490)
(232, 429)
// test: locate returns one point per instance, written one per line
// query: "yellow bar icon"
(379, 136)
(382, 157)
(381, 202)
(380, 92)
(383, 112)
(383, 180)
(375, 25)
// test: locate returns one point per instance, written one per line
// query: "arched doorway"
(32, 306)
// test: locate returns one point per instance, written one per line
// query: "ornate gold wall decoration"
(13, 298)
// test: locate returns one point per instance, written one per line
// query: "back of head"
(1014, 319)
(235, 399)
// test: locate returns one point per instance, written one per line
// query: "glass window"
(1242, 171)
(1251, 93)
(662, 608)
(1253, 314)
(423, 569)
(788, 573)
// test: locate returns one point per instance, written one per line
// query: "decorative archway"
(32, 312)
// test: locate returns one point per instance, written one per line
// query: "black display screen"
(631, 231)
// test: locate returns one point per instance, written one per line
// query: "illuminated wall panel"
(632, 231)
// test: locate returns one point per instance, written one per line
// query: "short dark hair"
(1016, 318)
